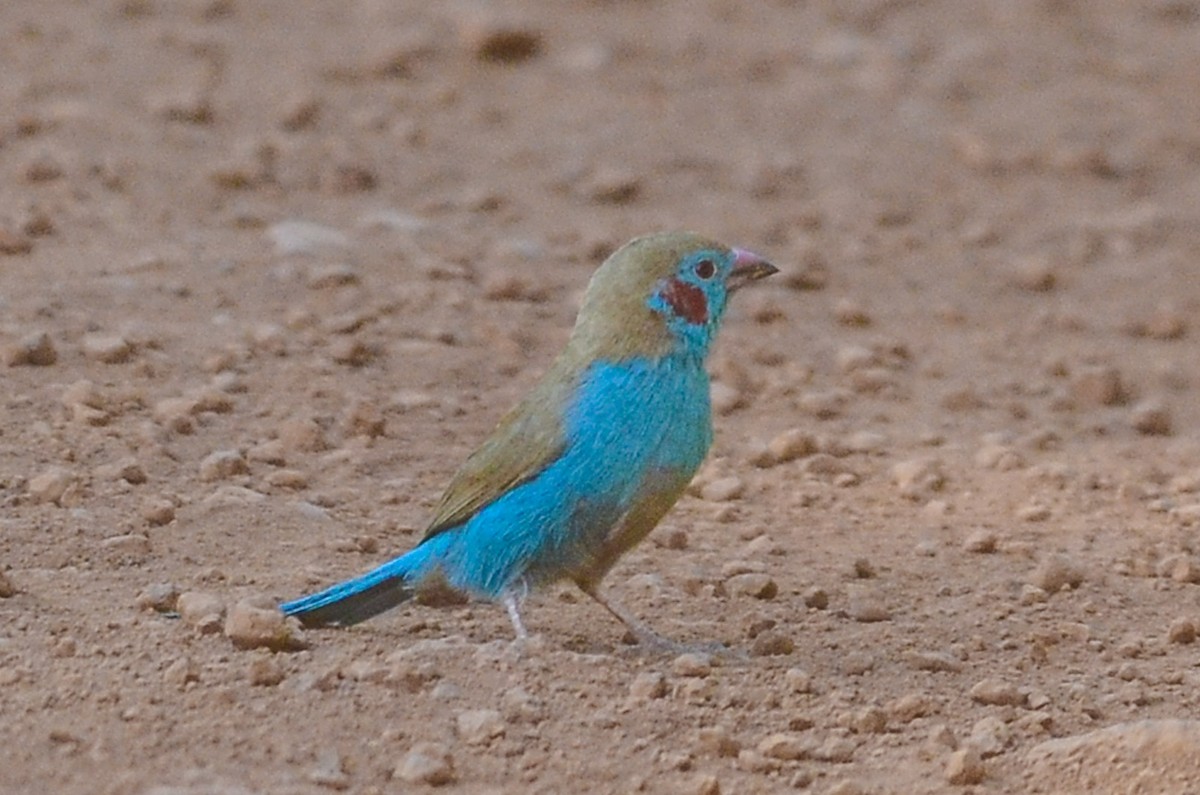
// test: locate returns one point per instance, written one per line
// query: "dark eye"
(705, 269)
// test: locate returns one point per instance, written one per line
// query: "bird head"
(661, 294)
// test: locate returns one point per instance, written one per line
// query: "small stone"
(725, 399)
(692, 664)
(327, 277)
(852, 314)
(815, 597)
(7, 589)
(981, 542)
(1167, 323)
(787, 747)
(723, 489)
(158, 511)
(609, 186)
(54, 485)
(305, 237)
(838, 750)
(798, 680)
(753, 584)
(1182, 630)
(507, 285)
(997, 692)
(990, 736)
(288, 479)
(265, 672)
(427, 763)
(479, 726)
(1151, 418)
(864, 569)
(222, 465)
(330, 771)
(648, 685)
(790, 445)
(36, 350)
(351, 351)
(250, 627)
(1034, 274)
(716, 741)
(1033, 512)
(909, 707)
(1056, 572)
(1096, 385)
(161, 597)
(203, 611)
(302, 435)
(493, 42)
(867, 609)
(918, 478)
(181, 672)
(937, 662)
(772, 644)
(107, 348)
(965, 767)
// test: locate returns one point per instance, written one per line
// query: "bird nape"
(587, 464)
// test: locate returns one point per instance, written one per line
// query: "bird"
(585, 466)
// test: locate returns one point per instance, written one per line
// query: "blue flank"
(627, 423)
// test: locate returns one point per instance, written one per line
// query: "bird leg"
(640, 631)
(510, 604)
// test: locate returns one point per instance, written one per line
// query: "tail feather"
(358, 599)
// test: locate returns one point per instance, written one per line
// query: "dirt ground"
(269, 270)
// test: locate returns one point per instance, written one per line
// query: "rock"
(918, 478)
(937, 662)
(1145, 751)
(815, 597)
(909, 707)
(55, 484)
(613, 186)
(990, 736)
(1056, 572)
(1034, 274)
(107, 348)
(725, 399)
(326, 277)
(158, 511)
(204, 611)
(648, 685)
(492, 41)
(161, 597)
(1151, 418)
(716, 741)
(787, 446)
(868, 609)
(36, 350)
(1033, 512)
(265, 672)
(1182, 630)
(965, 767)
(798, 680)
(997, 692)
(1096, 385)
(981, 542)
(305, 237)
(249, 626)
(787, 747)
(427, 763)
(869, 720)
(479, 726)
(223, 464)
(692, 664)
(772, 644)
(723, 489)
(7, 589)
(851, 313)
(753, 584)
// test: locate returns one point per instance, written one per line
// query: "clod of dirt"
(427, 763)
(36, 350)
(249, 626)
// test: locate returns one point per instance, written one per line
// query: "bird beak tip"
(748, 267)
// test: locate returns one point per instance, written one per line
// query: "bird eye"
(705, 269)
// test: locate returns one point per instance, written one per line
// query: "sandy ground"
(269, 270)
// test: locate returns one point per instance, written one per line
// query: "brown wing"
(528, 439)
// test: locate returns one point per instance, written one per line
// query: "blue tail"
(365, 596)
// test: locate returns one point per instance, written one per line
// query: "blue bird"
(589, 462)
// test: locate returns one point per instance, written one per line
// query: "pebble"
(815, 597)
(753, 584)
(204, 611)
(787, 747)
(851, 313)
(868, 720)
(479, 726)
(990, 736)
(798, 680)
(491, 41)
(867, 609)
(918, 478)
(107, 348)
(965, 767)
(1033, 512)
(161, 597)
(692, 664)
(824, 404)
(302, 435)
(265, 672)
(1182, 630)
(181, 671)
(249, 626)
(981, 542)
(223, 464)
(1056, 572)
(613, 186)
(326, 277)
(54, 484)
(427, 763)
(648, 685)
(772, 644)
(1097, 385)
(35, 350)
(909, 707)
(723, 489)
(158, 511)
(716, 741)
(725, 399)
(1034, 274)
(1151, 417)
(933, 661)
(7, 588)
(838, 750)
(997, 692)
(295, 236)
(330, 771)
(787, 446)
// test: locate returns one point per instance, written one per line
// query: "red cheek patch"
(687, 300)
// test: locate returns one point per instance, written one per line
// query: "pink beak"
(747, 267)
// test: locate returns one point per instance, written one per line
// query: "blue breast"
(627, 420)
